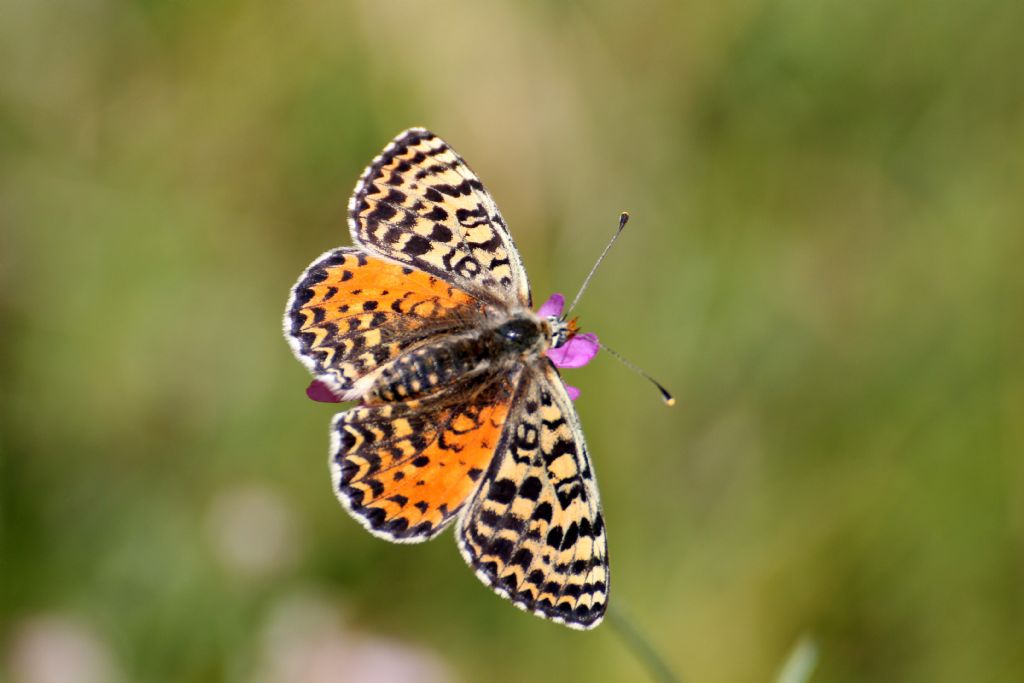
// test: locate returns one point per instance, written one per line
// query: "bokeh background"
(824, 264)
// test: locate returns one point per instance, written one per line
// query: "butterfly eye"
(518, 332)
(512, 333)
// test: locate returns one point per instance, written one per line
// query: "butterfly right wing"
(350, 314)
(420, 204)
(534, 531)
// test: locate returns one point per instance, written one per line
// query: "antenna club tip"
(670, 401)
(623, 219)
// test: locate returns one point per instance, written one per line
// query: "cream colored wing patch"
(534, 531)
(420, 204)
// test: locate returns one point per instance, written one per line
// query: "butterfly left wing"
(534, 531)
(405, 469)
(350, 314)
(420, 204)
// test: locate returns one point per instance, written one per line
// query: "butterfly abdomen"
(424, 370)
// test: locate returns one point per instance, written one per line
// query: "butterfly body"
(492, 347)
(462, 416)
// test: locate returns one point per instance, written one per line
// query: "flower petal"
(552, 307)
(576, 352)
(318, 391)
(573, 392)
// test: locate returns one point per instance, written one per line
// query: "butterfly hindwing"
(351, 313)
(405, 469)
(420, 204)
(534, 531)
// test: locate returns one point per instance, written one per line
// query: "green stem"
(641, 647)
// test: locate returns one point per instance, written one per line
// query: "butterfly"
(462, 414)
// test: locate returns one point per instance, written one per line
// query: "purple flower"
(575, 353)
(574, 392)
(318, 391)
(579, 350)
(552, 307)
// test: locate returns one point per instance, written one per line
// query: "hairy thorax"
(497, 344)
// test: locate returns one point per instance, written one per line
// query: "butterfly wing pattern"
(420, 204)
(534, 531)
(405, 469)
(498, 449)
(350, 314)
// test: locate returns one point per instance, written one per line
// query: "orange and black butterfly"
(428, 323)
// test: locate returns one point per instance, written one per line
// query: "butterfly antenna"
(623, 219)
(665, 396)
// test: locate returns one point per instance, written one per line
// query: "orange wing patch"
(404, 470)
(351, 313)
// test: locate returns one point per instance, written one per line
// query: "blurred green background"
(823, 264)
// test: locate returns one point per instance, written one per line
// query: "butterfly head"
(521, 334)
(562, 330)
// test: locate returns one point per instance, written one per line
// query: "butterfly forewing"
(350, 314)
(420, 204)
(534, 530)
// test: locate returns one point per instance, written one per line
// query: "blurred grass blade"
(801, 662)
(641, 647)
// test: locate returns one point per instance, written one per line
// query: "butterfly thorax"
(496, 345)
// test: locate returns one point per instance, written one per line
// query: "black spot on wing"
(502, 491)
(558, 449)
(542, 512)
(441, 233)
(417, 245)
(530, 488)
